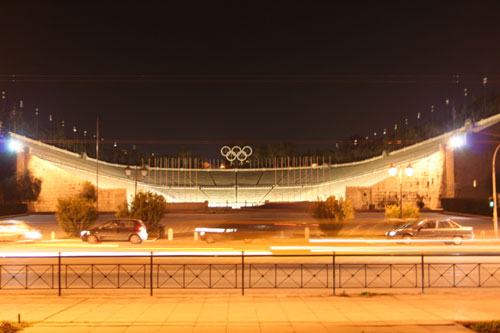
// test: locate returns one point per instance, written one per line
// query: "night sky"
(223, 73)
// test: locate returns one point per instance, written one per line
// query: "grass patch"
(485, 326)
(367, 294)
(10, 327)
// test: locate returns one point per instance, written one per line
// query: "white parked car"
(14, 230)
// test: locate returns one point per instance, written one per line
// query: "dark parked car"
(130, 230)
(245, 232)
(446, 230)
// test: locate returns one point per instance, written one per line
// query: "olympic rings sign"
(236, 153)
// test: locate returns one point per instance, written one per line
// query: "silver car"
(446, 230)
(14, 230)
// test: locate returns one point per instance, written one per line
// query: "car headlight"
(84, 232)
(33, 234)
(392, 233)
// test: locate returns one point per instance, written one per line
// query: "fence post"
(333, 270)
(423, 275)
(242, 273)
(151, 274)
(59, 273)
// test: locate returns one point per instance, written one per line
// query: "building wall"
(473, 164)
(426, 183)
(57, 182)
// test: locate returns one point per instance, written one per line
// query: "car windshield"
(409, 225)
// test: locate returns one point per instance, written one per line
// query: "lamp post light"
(75, 139)
(495, 207)
(128, 172)
(408, 172)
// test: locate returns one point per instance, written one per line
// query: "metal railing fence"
(333, 271)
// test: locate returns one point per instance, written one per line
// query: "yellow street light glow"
(409, 170)
(393, 170)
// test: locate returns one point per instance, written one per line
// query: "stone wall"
(57, 182)
(426, 182)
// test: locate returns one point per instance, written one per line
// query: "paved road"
(183, 224)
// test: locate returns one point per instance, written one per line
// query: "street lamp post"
(495, 214)
(128, 172)
(408, 172)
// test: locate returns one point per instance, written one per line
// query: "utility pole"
(97, 166)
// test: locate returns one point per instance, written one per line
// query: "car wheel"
(135, 239)
(457, 240)
(210, 240)
(92, 239)
(247, 240)
(407, 239)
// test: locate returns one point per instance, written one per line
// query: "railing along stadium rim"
(240, 275)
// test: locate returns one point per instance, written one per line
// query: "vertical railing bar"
(429, 275)
(59, 273)
(333, 273)
(209, 276)
(151, 274)
(390, 275)
(52, 275)
(91, 275)
(365, 275)
(242, 273)
(479, 275)
(249, 276)
(157, 275)
(236, 276)
(454, 280)
(118, 277)
(340, 276)
(26, 276)
(301, 275)
(183, 276)
(327, 285)
(275, 275)
(423, 273)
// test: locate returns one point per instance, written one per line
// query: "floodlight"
(14, 145)
(457, 140)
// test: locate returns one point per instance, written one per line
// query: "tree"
(146, 206)
(21, 188)
(75, 214)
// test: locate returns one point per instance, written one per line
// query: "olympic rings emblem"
(236, 153)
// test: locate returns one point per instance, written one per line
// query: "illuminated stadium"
(366, 183)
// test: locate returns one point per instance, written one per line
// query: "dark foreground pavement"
(262, 312)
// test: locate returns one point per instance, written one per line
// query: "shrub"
(11, 327)
(335, 212)
(485, 327)
(88, 191)
(333, 209)
(409, 211)
(75, 214)
(146, 206)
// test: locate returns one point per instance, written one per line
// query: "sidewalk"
(267, 312)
